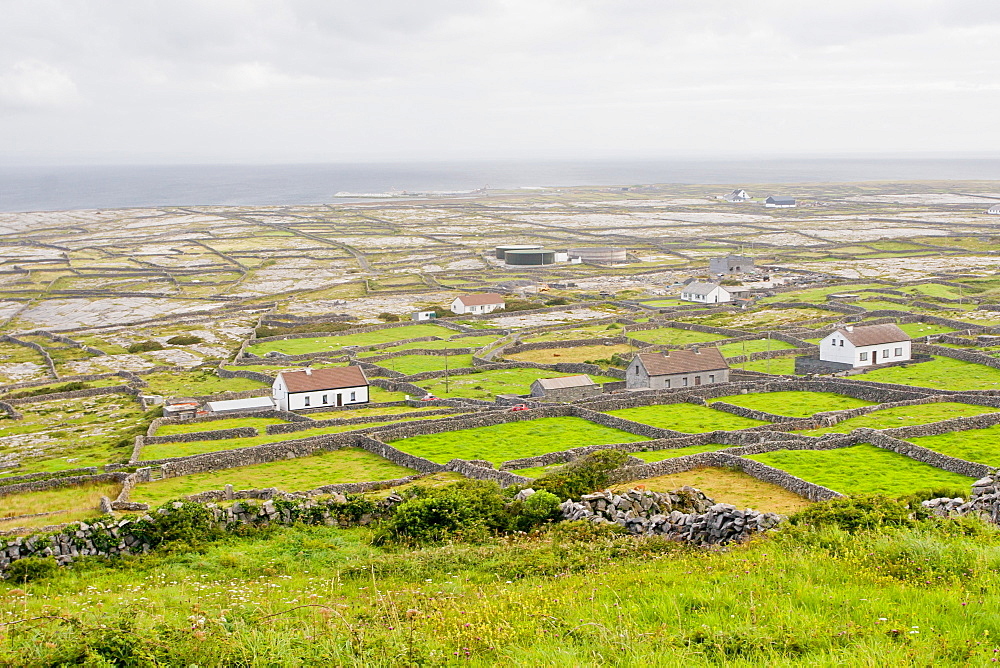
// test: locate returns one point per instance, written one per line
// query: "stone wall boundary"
(27, 477)
(76, 394)
(925, 455)
(282, 415)
(290, 428)
(55, 483)
(7, 338)
(212, 435)
(470, 470)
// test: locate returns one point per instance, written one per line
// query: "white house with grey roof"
(705, 293)
(994, 210)
(779, 202)
(866, 345)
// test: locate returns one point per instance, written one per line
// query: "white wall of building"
(345, 396)
(719, 295)
(458, 307)
(835, 348)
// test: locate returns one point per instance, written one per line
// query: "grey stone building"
(731, 264)
(676, 369)
(567, 388)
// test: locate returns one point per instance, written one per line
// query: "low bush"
(556, 301)
(582, 476)
(857, 513)
(145, 346)
(388, 317)
(33, 568)
(184, 340)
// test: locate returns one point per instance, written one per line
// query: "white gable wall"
(718, 295)
(460, 308)
(835, 348)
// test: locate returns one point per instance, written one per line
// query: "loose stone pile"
(984, 500)
(104, 538)
(686, 514)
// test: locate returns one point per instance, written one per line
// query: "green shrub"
(914, 499)
(31, 568)
(145, 346)
(538, 509)
(184, 340)
(856, 513)
(557, 301)
(469, 510)
(388, 317)
(582, 476)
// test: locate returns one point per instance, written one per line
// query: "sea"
(58, 188)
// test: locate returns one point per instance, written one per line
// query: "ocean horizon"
(58, 188)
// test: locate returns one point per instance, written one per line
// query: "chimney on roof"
(696, 351)
(850, 328)
(309, 371)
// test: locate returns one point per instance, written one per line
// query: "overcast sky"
(330, 80)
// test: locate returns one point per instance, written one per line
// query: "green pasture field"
(411, 364)
(862, 469)
(365, 412)
(673, 453)
(166, 450)
(817, 295)
(513, 440)
(581, 332)
(324, 343)
(197, 382)
(685, 417)
(880, 305)
(54, 385)
(754, 346)
(779, 366)
(272, 369)
(673, 336)
(941, 373)
(575, 354)
(188, 427)
(794, 404)
(935, 290)
(75, 498)
(71, 433)
(917, 329)
(664, 302)
(974, 445)
(488, 384)
(465, 342)
(904, 416)
(289, 475)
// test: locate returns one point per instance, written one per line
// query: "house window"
(711, 377)
(685, 381)
(353, 396)
(306, 400)
(885, 353)
(899, 352)
(841, 343)
(667, 384)
(863, 357)
(325, 399)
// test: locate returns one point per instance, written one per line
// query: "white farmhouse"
(866, 346)
(994, 210)
(486, 302)
(705, 293)
(318, 388)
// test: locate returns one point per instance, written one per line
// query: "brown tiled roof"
(481, 299)
(682, 361)
(565, 381)
(324, 379)
(873, 335)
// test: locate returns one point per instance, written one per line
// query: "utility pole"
(446, 388)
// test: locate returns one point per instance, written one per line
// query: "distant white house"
(705, 293)
(866, 346)
(316, 388)
(994, 210)
(738, 195)
(486, 302)
(779, 202)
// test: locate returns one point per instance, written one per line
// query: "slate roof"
(481, 299)
(702, 288)
(779, 200)
(324, 379)
(683, 361)
(873, 335)
(565, 381)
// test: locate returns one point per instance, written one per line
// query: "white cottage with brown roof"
(866, 345)
(676, 369)
(318, 388)
(486, 302)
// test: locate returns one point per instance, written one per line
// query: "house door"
(697, 380)
(874, 357)
(340, 399)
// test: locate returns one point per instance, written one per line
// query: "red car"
(519, 407)
(430, 397)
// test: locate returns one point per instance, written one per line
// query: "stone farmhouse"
(486, 302)
(705, 293)
(567, 388)
(855, 347)
(318, 388)
(731, 264)
(676, 369)
(779, 202)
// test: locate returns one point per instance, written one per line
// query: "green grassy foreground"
(921, 596)
(687, 418)
(794, 404)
